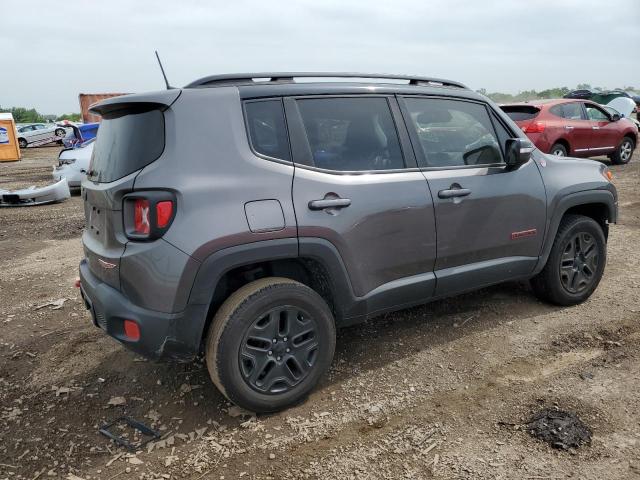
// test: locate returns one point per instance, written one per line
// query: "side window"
(594, 113)
(572, 111)
(351, 134)
(453, 133)
(267, 128)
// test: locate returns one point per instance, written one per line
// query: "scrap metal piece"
(56, 192)
(136, 425)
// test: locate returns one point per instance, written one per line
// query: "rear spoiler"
(162, 100)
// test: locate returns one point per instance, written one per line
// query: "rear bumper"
(173, 336)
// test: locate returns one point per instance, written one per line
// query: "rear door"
(578, 128)
(42, 132)
(490, 220)
(356, 186)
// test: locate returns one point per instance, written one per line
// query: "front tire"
(559, 150)
(60, 132)
(22, 143)
(624, 152)
(269, 344)
(576, 262)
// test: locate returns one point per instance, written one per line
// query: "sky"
(52, 51)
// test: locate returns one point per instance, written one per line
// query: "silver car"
(35, 132)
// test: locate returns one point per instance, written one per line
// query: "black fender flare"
(603, 197)
(217, 264)
(220, 262)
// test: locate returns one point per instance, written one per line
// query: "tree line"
(31, 115)
(23, 115)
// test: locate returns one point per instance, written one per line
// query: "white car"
(36, 132)
(73, 164)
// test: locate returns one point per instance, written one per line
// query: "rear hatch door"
(103, 238)
(130, 137)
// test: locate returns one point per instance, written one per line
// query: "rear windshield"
(519, 113)
(126, 142)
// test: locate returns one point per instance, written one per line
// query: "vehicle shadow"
(186, 391)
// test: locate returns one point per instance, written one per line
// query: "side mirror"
(518, 152)
(615, 117)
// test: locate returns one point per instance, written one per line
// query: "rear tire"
(624, 152)
(576, 262)
(60, 132)
(269, 344)
(559, 150)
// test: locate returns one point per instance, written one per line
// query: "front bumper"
(174, 336)
(74, 178)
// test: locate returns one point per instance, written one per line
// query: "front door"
(605, 134)
(352, 188)
(489, 220)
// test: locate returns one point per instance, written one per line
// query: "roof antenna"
(169, 87)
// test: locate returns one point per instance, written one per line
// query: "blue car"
(81, 134)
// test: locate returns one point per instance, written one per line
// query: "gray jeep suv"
(248, 216)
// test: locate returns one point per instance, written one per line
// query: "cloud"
(56, 50)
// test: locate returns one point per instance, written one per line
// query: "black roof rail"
(288, 77)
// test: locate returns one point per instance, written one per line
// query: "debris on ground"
(560, 429)
(54, 304)
(139, 429)
(115, 401)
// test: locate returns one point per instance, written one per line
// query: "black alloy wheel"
(279, 349)
(575, 264)
(579, 263)
(269, 344)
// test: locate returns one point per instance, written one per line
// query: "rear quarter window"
(126, 142)
(267, 128)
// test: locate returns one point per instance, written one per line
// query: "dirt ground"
(440, 391)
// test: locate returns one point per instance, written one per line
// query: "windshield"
(126, 142)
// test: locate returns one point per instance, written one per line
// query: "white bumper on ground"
(53, 193)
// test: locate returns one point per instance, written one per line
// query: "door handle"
(568, 127)
(454, 192)
(329, 203)
(595, 127)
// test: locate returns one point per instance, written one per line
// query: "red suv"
(579, 128)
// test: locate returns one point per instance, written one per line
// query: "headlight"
(66, 161)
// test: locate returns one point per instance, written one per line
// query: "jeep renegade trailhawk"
(248, 216)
